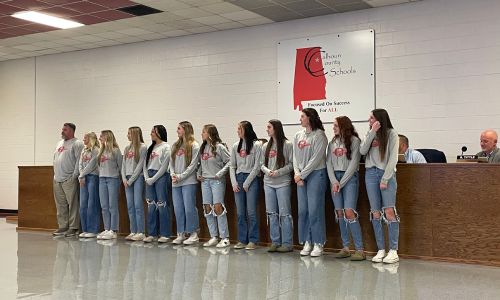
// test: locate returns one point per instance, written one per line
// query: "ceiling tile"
(88, 19)
(85, 7)
(8, 20)
(4, 35)
(230, 25)
(60, 12)
(8, 10)
(29, 4)
(39, 27)
(112, 15)
(114, 3)
(211, 20)
(221, 8)
(201, 29)
(191, 13)
(256, 21)
(16, 31)
(61, 2)
(240, 15)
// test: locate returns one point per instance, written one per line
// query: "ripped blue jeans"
(279, 215)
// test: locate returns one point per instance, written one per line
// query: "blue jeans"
(279, 214)
(89, 204)
(135, 204)
(213, 191)
(311, 206)
(159, 205)
(379, 201)
(108, 194)
(347, 198)
(186, 213)
(246, 208)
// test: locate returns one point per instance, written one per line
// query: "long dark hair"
(314, 120)
(280, 141)
(382, 134)
(213, 139)
(249, 136)
(162, 134)
(347, 131)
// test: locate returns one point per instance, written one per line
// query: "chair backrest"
(433, 155)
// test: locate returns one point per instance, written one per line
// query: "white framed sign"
(334, 74)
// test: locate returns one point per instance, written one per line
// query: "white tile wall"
(437, 74)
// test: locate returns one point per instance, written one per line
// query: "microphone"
(464, 148)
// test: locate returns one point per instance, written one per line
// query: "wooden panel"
(448, 211)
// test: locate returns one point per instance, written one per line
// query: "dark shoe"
(284, 249)
(358, 255)
(71, 232)
(343, 254)
(60, 232)
(273, 248)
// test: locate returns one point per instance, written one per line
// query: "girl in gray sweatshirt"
(214, 164)
(184, 161)
(133, 181)
(381, 149)
(342, 162)
(110, 164)
(244, 168)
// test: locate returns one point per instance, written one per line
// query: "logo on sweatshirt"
(153, 155)
(339, 152)
(130, 154)
(86, 158)
(180, 152)
(60, 149)
(273, 153)
(206, 156)
(302, 144)
(104, 158)
(375, 143)
(243, 153)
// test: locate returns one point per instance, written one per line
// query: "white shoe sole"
(390, 261)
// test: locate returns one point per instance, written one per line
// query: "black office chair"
(433, 155)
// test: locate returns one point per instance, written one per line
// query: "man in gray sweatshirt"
(489, 147)
(66, 170)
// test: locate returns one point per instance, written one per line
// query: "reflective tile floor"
(36, 266)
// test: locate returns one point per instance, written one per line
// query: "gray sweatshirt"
(244, 162)
(111, 163)
(158, 160)
(129, 166)
(309, 152)
(369, 147)
(282, 177)
(214, 166)
(66, 158)
(88, 162)
(336, 160)
(185, 174)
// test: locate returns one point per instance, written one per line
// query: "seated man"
(489, 146)
(409, 155)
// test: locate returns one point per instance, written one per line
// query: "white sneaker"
(317, 250)
(306, 250)
(110, 235)
(82, 235)
(130, 236)
(100, 235)
(180, 238)
(163, 239)
(149, 239)
(211, 242)
(392, 257)
(223, 243)
(138, 237)
(379, 257)
(90, 235)
(193, 238)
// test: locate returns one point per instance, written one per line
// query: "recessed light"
(46, 19)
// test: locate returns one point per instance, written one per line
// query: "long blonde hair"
(108, 145)
(93, 142)
(187, 140)
(136, 141)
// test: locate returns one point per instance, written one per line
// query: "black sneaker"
(60, 232)
(71, 232)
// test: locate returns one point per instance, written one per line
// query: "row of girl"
(310, 161)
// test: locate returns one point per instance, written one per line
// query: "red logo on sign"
(302, 144)
(309, 81)
(339, 151)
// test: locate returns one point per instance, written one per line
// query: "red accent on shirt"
(104, 158)
(206, 156)
(86, 158)
(339, 152)
(153, 155)
(375, 143)
(61, 149)
(243, 153)
(130, 154)
(180, 152)
(273, 153)
(302, 144)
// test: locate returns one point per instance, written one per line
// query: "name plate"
(471, 158)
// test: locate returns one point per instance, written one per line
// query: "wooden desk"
(448, 211)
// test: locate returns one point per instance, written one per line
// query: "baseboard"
(8, 212)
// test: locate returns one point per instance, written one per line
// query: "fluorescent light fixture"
(44, 19)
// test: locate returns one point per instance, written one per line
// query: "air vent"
(140, 10)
